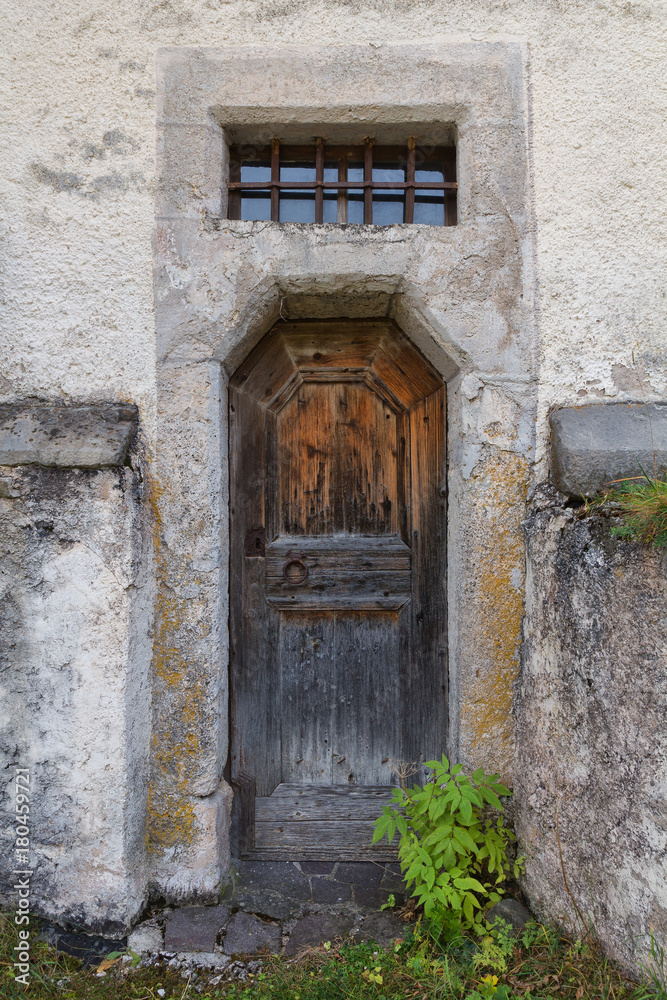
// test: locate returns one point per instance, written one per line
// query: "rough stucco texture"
(591, 737)
(78, 85)
(74, 688)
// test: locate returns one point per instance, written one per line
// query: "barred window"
(367, 184)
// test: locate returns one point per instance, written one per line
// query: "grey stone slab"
(359, 873)
(282, 877)
(146, 938)
(326, 891)
(512, 912)
(367, 895)
(90, 437)
(383, 928)
(247, 935)
(596, 444)
(194, 928)
(267, 904)
(316, 928)
(317, 867)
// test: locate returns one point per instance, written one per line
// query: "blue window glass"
(388, 204)
(355, 197)
(297, 206)
(429, 204)
(330, 213)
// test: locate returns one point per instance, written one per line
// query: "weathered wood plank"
(366, 738)
(306, 666)
(326, 833)
(424, 681)
(255, 712)
(374, 573)
(294, 810)
(267, 371)
(337, 446)
(287, 789)
(307, 852)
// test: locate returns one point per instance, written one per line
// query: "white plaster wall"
(78, 92)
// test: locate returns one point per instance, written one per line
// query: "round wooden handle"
(295, 571)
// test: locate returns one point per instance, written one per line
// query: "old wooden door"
(338, 613)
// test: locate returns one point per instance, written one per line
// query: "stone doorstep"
(247, 934)
(194, 928)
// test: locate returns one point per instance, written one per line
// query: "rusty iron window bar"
(381, 185)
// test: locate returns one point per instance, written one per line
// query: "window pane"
(388, 172)
(429, 208)
(330, 213)
(388, 205)
(297, 171)
(355, 198)
(429, 174)
(330, 207)
(355, 205)
(253, 173)
(388, 208)
(256, 206)
(297, 206)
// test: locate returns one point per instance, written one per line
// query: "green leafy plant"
(642, 503)
(452, 853)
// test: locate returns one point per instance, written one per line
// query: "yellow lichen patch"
(495, 613)
(176, 742)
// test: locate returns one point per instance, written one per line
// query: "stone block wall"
(75, 613)
(591, 769)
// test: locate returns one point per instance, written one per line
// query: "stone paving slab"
(194, 928)
(383, 928)
(246, 934)
(316, 928)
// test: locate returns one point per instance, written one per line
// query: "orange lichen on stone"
(175, 741)
(487, 732)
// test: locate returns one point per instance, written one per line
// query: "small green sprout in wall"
(453, 853)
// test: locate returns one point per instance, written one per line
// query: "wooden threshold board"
(320, 823)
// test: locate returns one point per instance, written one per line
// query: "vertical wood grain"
(367, 710)
(338, 461)
(424, 679)
(306, 660)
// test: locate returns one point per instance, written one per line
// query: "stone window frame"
(464, 296)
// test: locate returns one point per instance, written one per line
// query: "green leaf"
(478, 775)
(465, 810)
(500, 789)
(382, 825)
(461, 835)
(457, 769)
(491, 797)
(469, 883)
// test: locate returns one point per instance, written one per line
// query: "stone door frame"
(463, 295)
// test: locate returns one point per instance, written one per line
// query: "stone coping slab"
(596, 444)
(69, 436)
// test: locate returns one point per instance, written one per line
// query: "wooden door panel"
(306, 663)
(366, 740)
(338, 461)
(255, 708)
(338, 615)
(344, 572)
